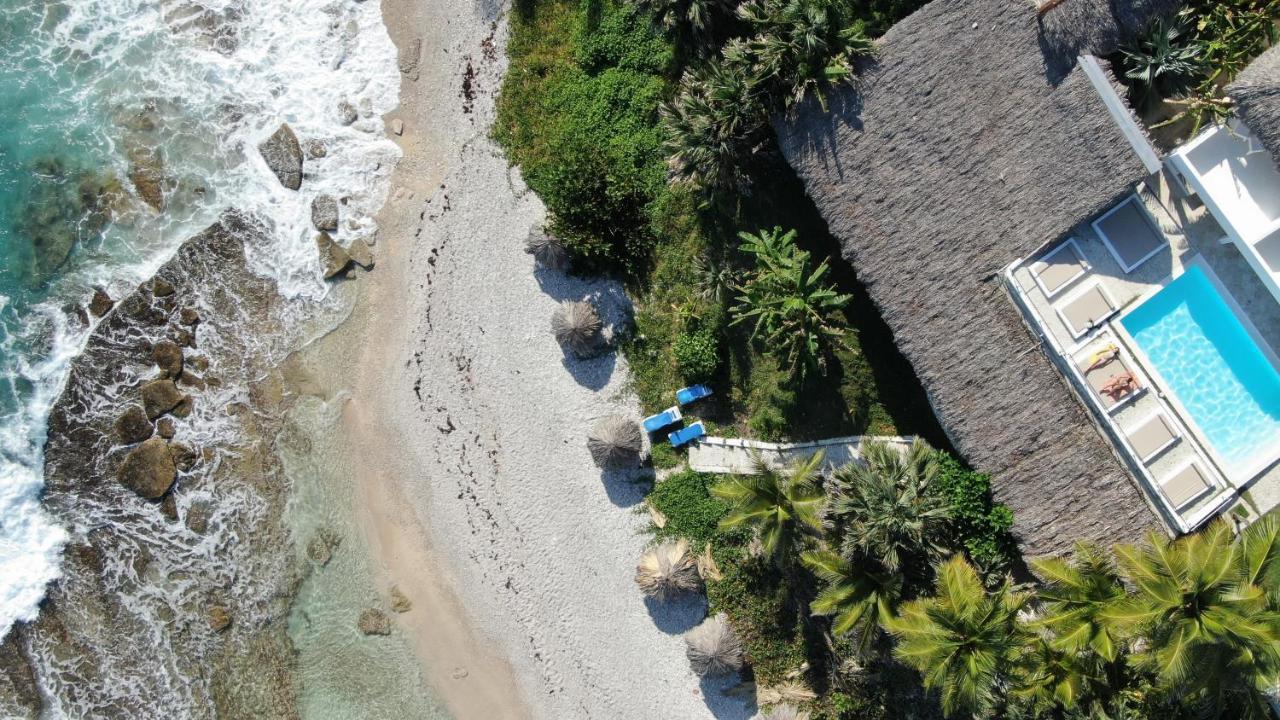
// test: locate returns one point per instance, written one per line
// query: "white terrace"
(1074, 292)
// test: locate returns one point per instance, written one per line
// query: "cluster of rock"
(285, 157)
(152, 465)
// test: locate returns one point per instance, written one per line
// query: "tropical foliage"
(890, 507)
(1162, 63)
(859, 599)
(965, 641)
(791, 305)
(779, 505)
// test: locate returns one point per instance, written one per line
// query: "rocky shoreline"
(176, 525)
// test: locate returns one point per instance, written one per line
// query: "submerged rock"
(333, 259)
(146, 172)
(133, 426)
(184, 456)
(347, 112)
(374, 622)
(219, 618)
(101, 303)
(283, 154)
(168, 357)
(188, 316)
(399, 602)
(185, 407)
(159, 397)
(324, 212)
(166, 429)
(197, 519)
(321, 546)
(148, 469)
(316, 149)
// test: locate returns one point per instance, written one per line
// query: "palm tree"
(1075, 595)
(964, 641)
(1207, 610)
(712, 125)
(890, 507)
(792, 307)
(1048, 677)
(713, 648)
(802, 46)
(779, 505)
(668, 569)
(687, 18)
(861, 601)
(1161, 63)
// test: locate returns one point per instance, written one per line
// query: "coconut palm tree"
(1048, 677)
(964, 641)
(1161, 63)
(890, 507)
(547, 250)
(686, 18)
(792, 308)
(860, 600)
(615, 442)
(713, 124)
(713, 648)
(577, 326)
(780, 506)
(1207, 610)
(668, 569)
(1074, 597)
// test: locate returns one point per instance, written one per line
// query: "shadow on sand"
(678, 615)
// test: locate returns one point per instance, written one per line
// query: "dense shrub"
(982, 526)
(697, 355)
(690, 510)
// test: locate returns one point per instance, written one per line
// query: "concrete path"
(733, 455)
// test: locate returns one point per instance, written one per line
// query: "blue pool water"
(1211, 363)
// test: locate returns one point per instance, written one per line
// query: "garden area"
(886, 589)
(1177, 72)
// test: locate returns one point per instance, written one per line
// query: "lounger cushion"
(1185, 486)
(1086, 310)
(1059, 268)
(1151, 436)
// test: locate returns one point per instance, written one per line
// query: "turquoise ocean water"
(125, 127)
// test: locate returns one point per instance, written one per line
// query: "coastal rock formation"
(159, 397)
(399, 602)
(333, 258)
(148, 469)
(146, 172)
(316, 149)
(323, 543)
(360, 254)
(168, 357)
(374, 622)
(104, 492)
(219, 618)
(133, 426)
(283, 154)
(101, 303)
(348, 113)
(324, 213)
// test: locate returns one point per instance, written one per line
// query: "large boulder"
(168, 357)
(283, 154)
(324, 213)
(159, 397)
(148, 469)
(333, 259)
(101, 303)
(360, 254)
(133, 426)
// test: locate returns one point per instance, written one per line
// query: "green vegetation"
(697, 355)
(781, 507)
(982, 527)
(1188, 62)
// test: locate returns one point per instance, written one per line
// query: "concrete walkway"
(733, 455)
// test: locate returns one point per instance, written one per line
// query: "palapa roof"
(1256, 92)
(970, 141)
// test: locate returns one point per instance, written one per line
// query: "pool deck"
(1193, 236)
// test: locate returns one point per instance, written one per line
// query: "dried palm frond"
(547, 250)
(577, 326)
(713, 648)
(615, 443)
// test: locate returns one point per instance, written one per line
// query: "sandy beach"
(464, 424)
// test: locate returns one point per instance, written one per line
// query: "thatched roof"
(668, 569)
(965, 146)
(615, 442)
(577, 326)
(1256, 92)
(713, 648)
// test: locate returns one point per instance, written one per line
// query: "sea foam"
(200, 84)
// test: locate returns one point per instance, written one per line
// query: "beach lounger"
(1099, 377)
(1185, 486)
(667, 417)
(688, 434)
(1059, 268)
(1086, 310)
(693, 393)
(1130, 234)
(1152, 436)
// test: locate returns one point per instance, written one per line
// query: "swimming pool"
(1218, 373)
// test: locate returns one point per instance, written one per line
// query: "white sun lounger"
(1099, 377)
(1059, 268)
(1130, 234)
(1152, 436)
(1086, 309)
(1185, 485)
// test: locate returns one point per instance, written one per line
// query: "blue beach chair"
(688, 434)
(693, 393)
(666, 418)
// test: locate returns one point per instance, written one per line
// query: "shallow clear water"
(106, 103)
(1211, 363)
